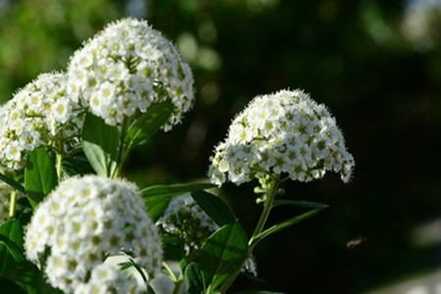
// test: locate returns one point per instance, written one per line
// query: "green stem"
(116, 171)
(170, 272)
(178, 286)
(267, 207)
(178, 282)
(230, 280)
(269, 195)
(12, 203)
(59, 165)
(141, 272)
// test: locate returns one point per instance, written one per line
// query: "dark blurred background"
(376, 64)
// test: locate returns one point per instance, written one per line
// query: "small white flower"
(29, 140)
(106, 91)
(34, 101)
(13, 152)
(61, 110)
(86, 60)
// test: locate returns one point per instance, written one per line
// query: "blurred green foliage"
(39, 36)
(351, 55)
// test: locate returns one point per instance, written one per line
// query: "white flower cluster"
(185, 220)
(85, 220)
(108, 278)
(126, 68)
(285, 133)
(39, 114)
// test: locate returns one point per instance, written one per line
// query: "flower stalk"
(116, 170)
(12, 203)
(267, 207)
(59, 165)
(269, 187)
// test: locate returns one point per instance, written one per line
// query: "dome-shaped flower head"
(108, 278)
(185, 220)
(85, 220)
(127, 67)
(282, 134)
(39, 114)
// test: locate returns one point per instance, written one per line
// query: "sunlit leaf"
(40, 175)
(100, 144)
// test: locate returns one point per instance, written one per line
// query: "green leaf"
(100, 144)
(11, 244)
(195, 278)
(8, 286)
(13, 183)
(158, 197)
(14, 266)
(156, 205)
(301, 204)
(174, 248)
(214, 207)
(76, 163)
(13, 230)
(146, 125)
(173, 189)
(12, 248)
(40, 175)
(283, 225)
(30, 278)
(222, 255)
